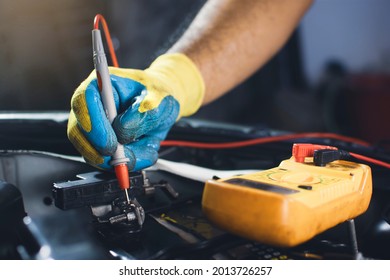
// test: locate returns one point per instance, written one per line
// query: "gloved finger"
(92, 120)
(106, 161)
(144, 151)
(133, 124)
(125, 90)
(83, 146)
(89, 153)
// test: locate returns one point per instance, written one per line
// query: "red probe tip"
(123, 176)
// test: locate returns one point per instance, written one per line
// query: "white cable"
(194, 172)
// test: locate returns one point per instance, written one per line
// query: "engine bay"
(40, 220)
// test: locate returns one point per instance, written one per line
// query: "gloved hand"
(148, 103)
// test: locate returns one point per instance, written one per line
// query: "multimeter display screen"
(260, 186)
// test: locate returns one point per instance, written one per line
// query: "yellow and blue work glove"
(148, 103)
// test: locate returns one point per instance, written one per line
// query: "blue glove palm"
(139, 132)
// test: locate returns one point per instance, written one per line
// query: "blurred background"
(333, 75)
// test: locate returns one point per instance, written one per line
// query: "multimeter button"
(309, 188)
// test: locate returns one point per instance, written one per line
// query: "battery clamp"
(289, 204)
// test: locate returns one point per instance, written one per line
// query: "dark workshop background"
(333, 75)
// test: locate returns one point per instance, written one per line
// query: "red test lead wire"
(262, 140)
(99, 18)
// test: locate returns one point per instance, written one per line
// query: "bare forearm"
(231, 39)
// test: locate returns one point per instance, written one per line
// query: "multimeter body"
(289, 204)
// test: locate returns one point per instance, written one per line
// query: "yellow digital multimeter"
(289, 204)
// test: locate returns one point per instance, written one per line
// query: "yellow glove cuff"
(183, 77)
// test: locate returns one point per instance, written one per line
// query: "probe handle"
(119, 159)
